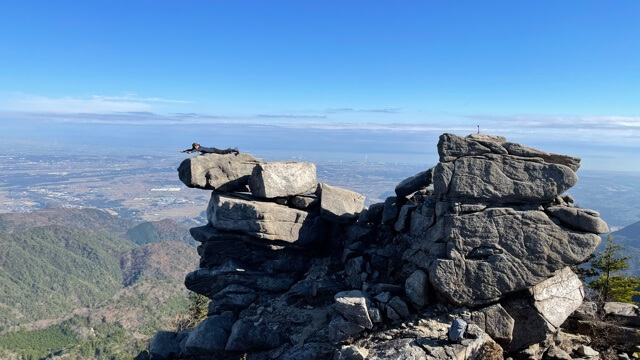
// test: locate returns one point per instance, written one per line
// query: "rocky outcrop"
(299, 270)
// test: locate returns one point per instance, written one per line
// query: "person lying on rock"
(209, 150)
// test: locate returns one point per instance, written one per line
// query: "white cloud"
(94, 104)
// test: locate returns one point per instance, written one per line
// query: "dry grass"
(490, 351)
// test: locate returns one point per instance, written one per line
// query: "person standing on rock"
(209, 150)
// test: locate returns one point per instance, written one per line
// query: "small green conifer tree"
(611, 287)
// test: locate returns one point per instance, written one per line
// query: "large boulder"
(451, 147)
(211, 335)
(281, 179)
(217, 172)
(498, 251)
(502, 179)
(340, 204)
(263, 219)
(479, 168)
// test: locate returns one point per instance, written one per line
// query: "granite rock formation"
(300, 270)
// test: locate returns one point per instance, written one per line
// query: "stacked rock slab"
(265, 221)
(496, 226)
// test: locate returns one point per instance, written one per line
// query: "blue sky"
(546, 72)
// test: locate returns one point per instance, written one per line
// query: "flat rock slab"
(263, 219)
(217, 172)
(501, 179)
(558, 297)
(340, 204)
(626, 314)
(498, 251)
(580, 219)
(414, 183)
(281, 179)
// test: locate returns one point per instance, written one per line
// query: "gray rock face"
(588, 310)
(280, 179)
(580, 219)
(500, 250)
(480, 168)
(353, 306)
(404, 218)
(414, 183)
(451, 147)
(397, 309)
(340, 204)
(496, 322)
(263, 220)
(247, 336)
(217, 172)
(501, 179)
(372, 215)
(210, 281)
(416, 288)
(391, 210)
(165, 345)
(304, 202)
(211, 335)
(232, 298)
(529, 326)
(558, 297)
